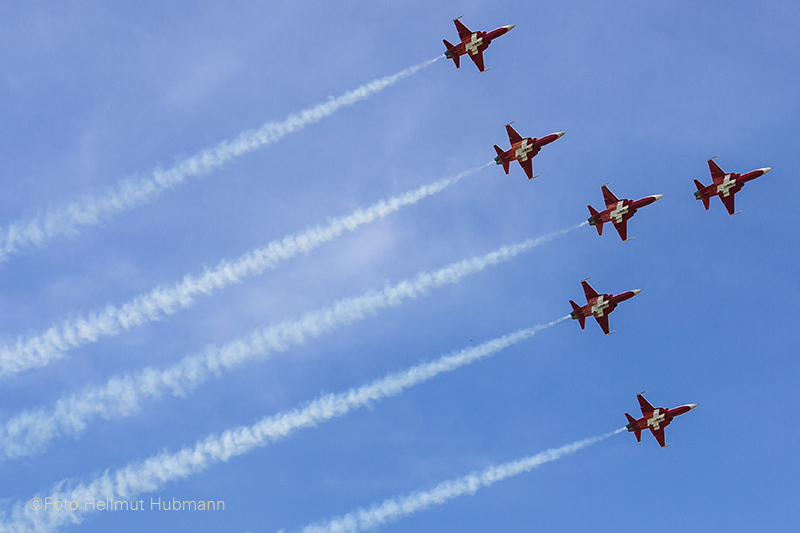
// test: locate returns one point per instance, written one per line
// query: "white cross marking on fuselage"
(473, 44)
(599, 305)
(727, 184)
(655, 421)
(522, 152)
(620, 210)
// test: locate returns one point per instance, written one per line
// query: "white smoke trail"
(152, 474)
(39, 350)
(396, 508)
(122, 396)
(129, 193)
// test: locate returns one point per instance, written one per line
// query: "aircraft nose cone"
(636, 291)
(692, 406)
(766, 169)
(657, 197)
(510, 27)
(560, 134)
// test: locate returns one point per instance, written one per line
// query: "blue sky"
(646, 92)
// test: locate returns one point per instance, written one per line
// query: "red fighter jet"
(654, 419)
(618, 212)
(598, 305)
(725, 185)
(522, 150)
(472, 43)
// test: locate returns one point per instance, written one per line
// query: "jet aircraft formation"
(618, 212)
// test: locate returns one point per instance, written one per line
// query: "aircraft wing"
(463, 31)
(647, 409)
(513, 136)
(609, 197)
(603, 321)
(728, 201)
(527, 166)
(659, 435)
(477, 58)
(622, 229)
(589, 291)
(716, 173)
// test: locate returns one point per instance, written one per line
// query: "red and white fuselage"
(618, 212)
(598, 305)
(523, 150)
(725, 185)
(655, 419)
(473, 43)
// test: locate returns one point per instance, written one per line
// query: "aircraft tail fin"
(632, 427)
(699, 194)
(577, 315)
(499, 158)
(594, 221)
(450, 54)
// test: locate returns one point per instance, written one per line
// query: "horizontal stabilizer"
(451, 54)
(699, 195)
(576, 314)
(594, 220)
(499, 158)
(632, 427)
